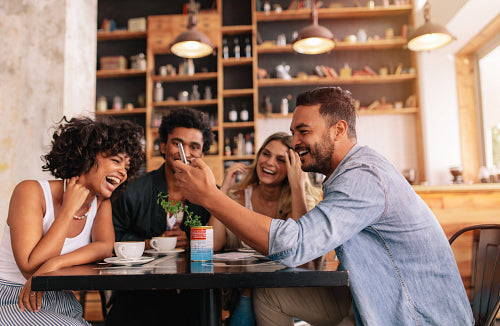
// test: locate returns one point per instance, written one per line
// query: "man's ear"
(163, 148)
(339, 130)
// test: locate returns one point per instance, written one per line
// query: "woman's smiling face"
(107, 174)
(271, 163)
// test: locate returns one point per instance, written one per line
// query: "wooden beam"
(467, 106)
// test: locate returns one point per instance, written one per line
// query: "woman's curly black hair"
(187, 118)
(76, 143)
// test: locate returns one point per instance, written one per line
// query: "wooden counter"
(457, 206)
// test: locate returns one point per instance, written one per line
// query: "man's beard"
(169, 165)
(321, 157)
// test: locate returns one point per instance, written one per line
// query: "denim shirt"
(402, 270)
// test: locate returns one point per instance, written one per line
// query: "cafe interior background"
(48, 69)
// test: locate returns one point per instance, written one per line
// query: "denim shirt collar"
(351, 152)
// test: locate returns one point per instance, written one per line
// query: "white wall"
(438, 89)
(394, 136)
(47, 69)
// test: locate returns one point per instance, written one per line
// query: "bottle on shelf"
(236, 48)
(213, 148)
(284, 106)
(233, 114)
(266, 106)
(248, 144)
(158, 92)
(102, 104)
(212, 120)
(225, 49)
(234, 147)
(189, 67)
(267, 8)
(248, 48)
(195, 94)
(208, 93)
(240, 144)
(244, 112)
(227, 147)
(117, 103)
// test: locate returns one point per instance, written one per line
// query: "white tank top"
(232, 241)
(8, 267)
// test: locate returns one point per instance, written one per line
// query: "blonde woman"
(274, 185)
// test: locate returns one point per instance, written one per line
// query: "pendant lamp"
(314, 39)
(192, 43)
(429, 36)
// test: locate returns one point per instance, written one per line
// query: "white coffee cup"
(163, 243)
(129, 250)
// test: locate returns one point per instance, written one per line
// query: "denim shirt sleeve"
(354, 197)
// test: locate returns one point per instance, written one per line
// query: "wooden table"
(178, 272)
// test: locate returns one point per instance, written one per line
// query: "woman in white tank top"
(60, 223)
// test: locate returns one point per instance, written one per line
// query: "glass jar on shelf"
(244, 113)
(102, 104)
(233, 114)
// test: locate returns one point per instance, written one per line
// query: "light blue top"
(401, 268)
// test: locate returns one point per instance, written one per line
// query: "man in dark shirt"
(137, 216)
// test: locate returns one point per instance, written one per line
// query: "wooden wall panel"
(455, 209)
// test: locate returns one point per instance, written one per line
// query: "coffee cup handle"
(153, 244)
(123, 251)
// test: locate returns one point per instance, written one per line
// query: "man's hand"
(296, 177)
(196, 180)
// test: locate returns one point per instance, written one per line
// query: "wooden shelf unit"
(274, 82)
(229, 73)
(120, 73)
(185, 78)
(344, 22)
(119, 35)
(123, 112)
(327, 13)
(384, 44)
(190, 103)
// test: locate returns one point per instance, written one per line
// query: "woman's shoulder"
(28, 186)
(238, 195)
(27, 192)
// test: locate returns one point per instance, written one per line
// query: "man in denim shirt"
(401, 268)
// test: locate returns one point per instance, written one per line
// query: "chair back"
(485, 275)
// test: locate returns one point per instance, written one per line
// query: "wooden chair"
(484, 293)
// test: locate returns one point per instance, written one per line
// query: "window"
(487, 64)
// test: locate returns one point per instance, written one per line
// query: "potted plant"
(201, 239)
(172, 210)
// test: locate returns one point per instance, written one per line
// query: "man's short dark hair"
(187, 118)
(335, 104)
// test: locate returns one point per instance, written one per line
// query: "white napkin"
(234, 255)
(171, 220)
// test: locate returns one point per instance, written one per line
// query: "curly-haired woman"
(60, 223)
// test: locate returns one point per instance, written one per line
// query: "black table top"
(178, 272)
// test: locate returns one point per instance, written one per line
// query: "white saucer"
(246, 250)
(128, 262)
(164, 252)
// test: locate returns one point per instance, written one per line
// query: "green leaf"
(169, 207)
